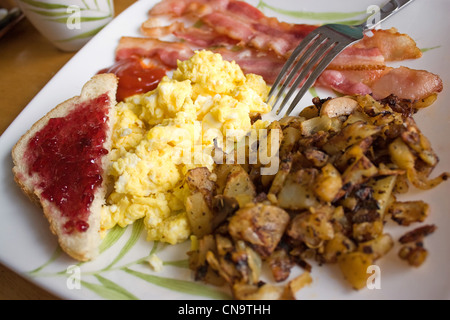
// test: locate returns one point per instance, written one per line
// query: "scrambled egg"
(160, 135)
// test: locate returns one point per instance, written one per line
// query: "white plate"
(27, 247)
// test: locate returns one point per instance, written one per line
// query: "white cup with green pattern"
(68, 24)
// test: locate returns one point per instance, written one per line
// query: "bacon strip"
(261, 45)
(350, 59)
(162, 17)
(204, 37)
(406, 83)
(178, 8)
(167, 52)
(232, 21)
(393, 45)
(403, 82)
(270, 26)
(354, 58)
(237, 20)
(349, 81)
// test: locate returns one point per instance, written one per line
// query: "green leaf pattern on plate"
(135, 234)
(184, 286)
(45, 5)
(428, 49)
(335, 17)
(107, 289)
(59, 13)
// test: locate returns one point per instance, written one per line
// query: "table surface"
(27, 62)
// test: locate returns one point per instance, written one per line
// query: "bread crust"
(82, 246)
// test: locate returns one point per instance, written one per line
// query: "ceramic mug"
(68, 24)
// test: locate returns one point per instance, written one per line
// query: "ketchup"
(134, 76)
(67, 156)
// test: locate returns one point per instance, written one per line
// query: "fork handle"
(387, 10)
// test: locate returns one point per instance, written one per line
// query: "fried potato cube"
(280, 264)
(242, 291)
(377, 247)
(328, 183)
(199, 214)
(239, 186)
(313, 228)
(309, 112)
(297, 193)
(260, 225)
(339, 245)
(354, 266)
(382, 193)
(413, 254)
(296, 285)
(367, 230)
(405, 213)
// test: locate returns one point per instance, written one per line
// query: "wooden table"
(27, 62)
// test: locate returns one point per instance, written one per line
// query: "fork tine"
(304, 58)
(315, 74)
(299, 49)
(306, 68)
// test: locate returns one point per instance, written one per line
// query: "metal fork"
(316, 52)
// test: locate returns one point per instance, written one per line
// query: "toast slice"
(60, 163)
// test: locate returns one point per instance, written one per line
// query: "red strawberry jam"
(67, 155)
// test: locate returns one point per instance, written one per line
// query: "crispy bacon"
(270, 26)
(402, 82)
(236, 20)
(407, 83)
(257, 36)
(349, 81)
(354, 58)
(178, 8)
(261, 45)
(248, 25)
(393, 45)
(167, 52)
(230, 25)
(162, 19)
(204, 37)
(155, 27)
